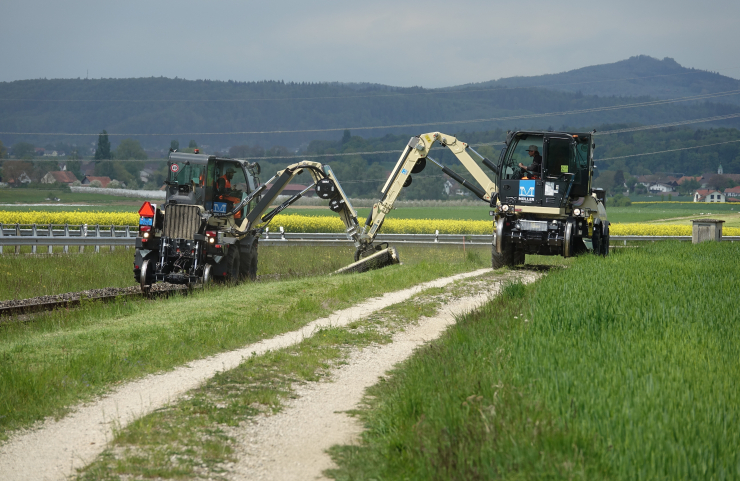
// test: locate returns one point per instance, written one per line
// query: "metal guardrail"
(81, 236)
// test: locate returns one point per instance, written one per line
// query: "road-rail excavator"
(551, 211)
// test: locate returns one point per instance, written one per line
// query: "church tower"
(719, 170)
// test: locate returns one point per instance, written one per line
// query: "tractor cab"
(216, 184)
(565, 172)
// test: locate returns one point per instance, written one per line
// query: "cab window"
(228, 186)
(519, 152)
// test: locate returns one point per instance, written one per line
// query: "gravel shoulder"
(55, 449)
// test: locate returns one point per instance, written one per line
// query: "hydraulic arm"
(413, 160)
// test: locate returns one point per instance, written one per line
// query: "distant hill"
(637, 76)
(198, 109)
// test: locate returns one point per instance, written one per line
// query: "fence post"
(83, 233)
(112, 235)
(436, 235)
(18, 234)
(267, 232)
(128, 234)
(282, 233)
(66, 234)
(50, 250)
(2, 233)
(97, 234)
(33, 233)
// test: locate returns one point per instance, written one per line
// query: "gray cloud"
(430, 43)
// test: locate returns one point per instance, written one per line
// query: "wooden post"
(18, 234)
(51, 235)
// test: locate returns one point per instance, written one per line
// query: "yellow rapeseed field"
(301, 223)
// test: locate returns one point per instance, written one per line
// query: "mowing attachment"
(380, 259)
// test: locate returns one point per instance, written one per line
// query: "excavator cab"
(566, 169)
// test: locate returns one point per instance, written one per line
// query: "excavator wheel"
(232, 266)
(605, 242)
(248, 266)
(506, 258)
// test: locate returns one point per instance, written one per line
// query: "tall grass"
(626, 367)
(23, 276)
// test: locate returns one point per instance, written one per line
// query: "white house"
(708, 195)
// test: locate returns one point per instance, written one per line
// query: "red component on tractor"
(147, 210)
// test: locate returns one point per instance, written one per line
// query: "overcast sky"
(401, 43)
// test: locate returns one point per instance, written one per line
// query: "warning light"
(196, 151)
(146, 210)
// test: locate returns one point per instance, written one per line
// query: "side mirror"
(256, 169)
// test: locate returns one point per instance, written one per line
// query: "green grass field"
(620, 368)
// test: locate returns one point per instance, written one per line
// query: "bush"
(618, 200)
(96, 183)
(76, 183)
(114, 184)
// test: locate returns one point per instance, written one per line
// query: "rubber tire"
(596, 240)
(248, 269)
(519, 257)
(605, 242)
(232, 265)
(506, 258)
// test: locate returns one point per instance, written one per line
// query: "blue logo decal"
(219, 207)
(404, 171)
(526, 188)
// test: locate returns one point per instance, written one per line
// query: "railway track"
(11, 310)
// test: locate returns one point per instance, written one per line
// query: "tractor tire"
(605, 241)
(519, 257)
(248, 267)
(232, 266)
(596, 240)
(506, 258)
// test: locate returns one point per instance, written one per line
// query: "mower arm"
(412, 160)
(259, 217)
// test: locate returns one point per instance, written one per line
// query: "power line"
(420, 124)
(664, 151)
(671, 124)
(397, 94)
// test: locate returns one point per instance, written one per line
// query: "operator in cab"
(536, 166)
(225, 192)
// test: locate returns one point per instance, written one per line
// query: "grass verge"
(625, 367)
(67, 356)
(195, 437)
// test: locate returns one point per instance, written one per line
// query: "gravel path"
(291, 445)
(53, 450)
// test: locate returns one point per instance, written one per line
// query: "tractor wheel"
(519, 257)
(145, 277)
(605, 241)
(232, 265)
(506, 258)
(596, 240)
(248, 268)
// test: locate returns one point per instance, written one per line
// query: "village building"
(708, 195)
(104, 181)
(58, 177)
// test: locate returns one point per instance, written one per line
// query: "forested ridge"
(144, 106)
(335, 118)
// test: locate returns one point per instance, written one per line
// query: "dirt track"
(291, 445)
(55, 449)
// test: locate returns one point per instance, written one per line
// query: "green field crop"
(624, 367)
